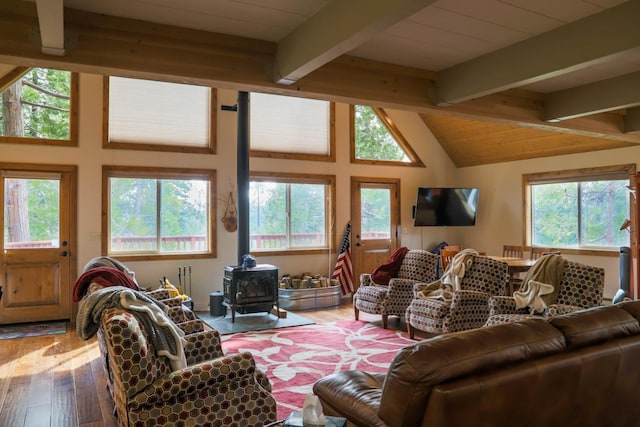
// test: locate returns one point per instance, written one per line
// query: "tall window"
(157, 212)
(375, 139)
(291, 127)
(290, 213)
(579, 209)
(40, 107)
(159, 116)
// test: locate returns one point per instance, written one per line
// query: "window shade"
(289, 125)
(151, 112)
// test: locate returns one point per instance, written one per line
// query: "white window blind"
(151, 112)
(289, 125)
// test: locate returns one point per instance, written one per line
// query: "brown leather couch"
(579, 369)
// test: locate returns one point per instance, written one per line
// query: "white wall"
(499, 215)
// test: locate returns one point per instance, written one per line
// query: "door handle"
(359, 244)
(64, 253)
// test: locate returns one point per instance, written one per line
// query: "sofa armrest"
(191, 326)
(202, 346)
(200, 378)
(159, 294)
(502, 305)
(554, 310)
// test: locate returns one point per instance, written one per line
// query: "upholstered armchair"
(225, 390)
(393, 299)
(581, 286)
(468, 307)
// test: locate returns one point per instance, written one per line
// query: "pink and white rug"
(295, 358)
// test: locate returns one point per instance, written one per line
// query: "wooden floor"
(57, 380)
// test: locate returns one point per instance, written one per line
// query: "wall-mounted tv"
(446, 207)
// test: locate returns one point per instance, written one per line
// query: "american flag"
(343, 271)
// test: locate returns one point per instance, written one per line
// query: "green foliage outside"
(44, 208)
(134, 211)
(580, 214)
(375, 211)
(372, 138)
(269, 204)
(45, 103)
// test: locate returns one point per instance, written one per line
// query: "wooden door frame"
(355, 181)
(72, 171)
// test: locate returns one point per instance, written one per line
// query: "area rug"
(295, 358)
(252, 322)
(32, 330)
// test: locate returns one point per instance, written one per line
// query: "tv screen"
(446, 207)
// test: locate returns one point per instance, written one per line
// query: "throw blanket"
(451, 280)
(540, 284)
(385, 272)
(105, 261)
(162, 332)
(103, 276)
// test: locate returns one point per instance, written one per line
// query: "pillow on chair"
(387, 271)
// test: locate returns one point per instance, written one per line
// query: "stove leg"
(233, 315)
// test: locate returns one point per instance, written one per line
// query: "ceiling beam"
(570, 47)
(51, 19)
(108, 45)
(335, 30)
(606, 95)
(632, 120)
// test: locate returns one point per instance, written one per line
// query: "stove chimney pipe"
(243, 148)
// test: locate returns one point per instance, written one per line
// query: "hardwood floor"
(58, 381)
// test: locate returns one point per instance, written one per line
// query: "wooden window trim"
(110, 171)
(393, 130)
(301, 156)
(106, 144)
(289, 178)
(564, 176)
(17, 74)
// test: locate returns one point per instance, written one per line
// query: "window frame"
(302, 156)
(119, 145)
(17, 74)
(415, 160)
(571, 175)
(112, 171)
(292, 178)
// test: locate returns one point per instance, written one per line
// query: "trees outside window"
(40, 107)
(582, 211)
(159, 212)
(290, 213)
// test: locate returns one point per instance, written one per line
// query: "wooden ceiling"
(494, 80)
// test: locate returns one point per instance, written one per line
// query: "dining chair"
(537, 252)
(513, 251)
(446, 255)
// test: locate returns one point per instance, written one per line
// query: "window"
(579, 209)
(158, 213)
(40, 107)
(290, 127)
(159, 116)
(375, 139)
(290, 213)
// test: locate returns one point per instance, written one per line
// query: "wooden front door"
(37, 257)
(375, 213)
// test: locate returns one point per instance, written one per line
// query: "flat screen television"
(446, 207)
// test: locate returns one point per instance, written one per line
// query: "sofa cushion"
(595, 325)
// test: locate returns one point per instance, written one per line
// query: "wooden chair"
(537, 252)
(446, 255)
(513, 251)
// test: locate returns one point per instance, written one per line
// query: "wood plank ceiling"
(494, 80)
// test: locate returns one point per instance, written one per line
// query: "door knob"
(64, 253)
(359, 244)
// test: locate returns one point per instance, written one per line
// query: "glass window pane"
(604, 207)
(375, 208)
(268, 215)
(308, 216)
(133, 214)
(43, 97)
(31, 213)
(373, 141)
(555, 214)
(183, 215)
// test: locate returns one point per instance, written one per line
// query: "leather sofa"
(578, 369)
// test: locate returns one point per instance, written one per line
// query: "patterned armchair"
(581, 286)
(468, 307)
(225, 390)
(393, 299)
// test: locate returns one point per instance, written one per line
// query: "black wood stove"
(250, 290)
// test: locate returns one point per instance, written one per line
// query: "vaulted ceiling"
(494, 80)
